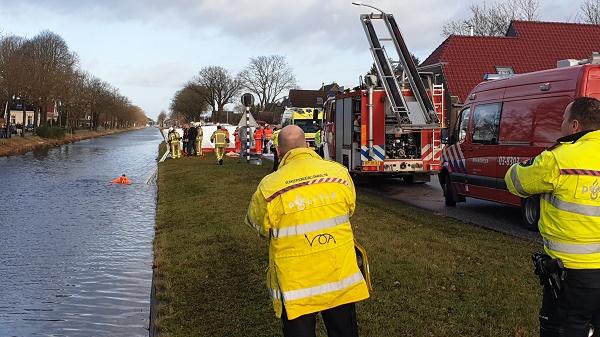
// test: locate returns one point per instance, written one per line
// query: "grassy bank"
(432, 276)
(19, 145)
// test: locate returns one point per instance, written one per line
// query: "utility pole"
(247, 101)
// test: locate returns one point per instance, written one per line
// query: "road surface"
(490, 215)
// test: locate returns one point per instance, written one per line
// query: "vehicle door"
(481, 156)
(453, 154)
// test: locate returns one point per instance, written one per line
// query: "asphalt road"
(490, 215)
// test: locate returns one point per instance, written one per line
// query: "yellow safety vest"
(567, 178)
(304, 208)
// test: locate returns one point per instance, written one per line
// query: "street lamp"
(367, 5)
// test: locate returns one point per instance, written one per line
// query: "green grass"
(432, 276)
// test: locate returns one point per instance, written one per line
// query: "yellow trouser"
(198, 146)
(175, 149)
(219, 151)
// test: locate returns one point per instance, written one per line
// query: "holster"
(550, 271)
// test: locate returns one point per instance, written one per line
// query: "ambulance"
(507, 121)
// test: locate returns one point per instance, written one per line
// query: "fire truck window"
(462, 127)
(486, 118)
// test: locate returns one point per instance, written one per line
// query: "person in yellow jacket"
(566, 178)
(275, 138)
(220, 138)
(174, 143)
(304, 210)
(199, 138)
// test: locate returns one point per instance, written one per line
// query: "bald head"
(290, 137)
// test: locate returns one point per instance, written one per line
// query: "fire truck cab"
(508, 121)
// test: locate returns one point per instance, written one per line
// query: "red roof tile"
(528, 46)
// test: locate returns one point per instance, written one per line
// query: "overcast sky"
(148, 49)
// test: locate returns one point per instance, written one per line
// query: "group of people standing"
(186, 143)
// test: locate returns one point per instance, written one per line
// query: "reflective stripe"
(516, 182)
(310, 227)
(572, 207)
(571, 248)
(322, 289)
(275, 294)
(255, 226)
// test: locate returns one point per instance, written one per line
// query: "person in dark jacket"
(192, 134)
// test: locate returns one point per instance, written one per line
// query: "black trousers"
(576, 310)
(339, 322)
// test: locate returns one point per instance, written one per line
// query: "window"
(462, 126)
(485, 123)
(504, 70)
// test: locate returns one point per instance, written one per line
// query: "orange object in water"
(122, 180)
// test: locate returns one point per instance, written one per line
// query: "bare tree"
(590, 11)
(190, 102)
(494, 19)
(50, 63)
(217, 86)
(268, 77)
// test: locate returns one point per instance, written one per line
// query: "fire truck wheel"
(449, 194)
(530, 212)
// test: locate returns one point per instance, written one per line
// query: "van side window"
(463, 125)
(486, 118)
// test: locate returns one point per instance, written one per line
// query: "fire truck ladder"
(412, 114)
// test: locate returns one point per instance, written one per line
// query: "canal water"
(76, 250)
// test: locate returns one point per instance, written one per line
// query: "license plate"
(371, 163)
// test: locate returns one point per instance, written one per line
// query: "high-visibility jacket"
(276, 138)
(219, 137)
(268, 133)
(258, 134)
(174, 136)
(567, 178)
(318, 138)
(304, 208)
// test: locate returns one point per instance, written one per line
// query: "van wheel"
(530, 212)
(449, 194)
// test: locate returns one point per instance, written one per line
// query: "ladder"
(413, 113)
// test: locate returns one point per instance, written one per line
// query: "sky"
(149, 49)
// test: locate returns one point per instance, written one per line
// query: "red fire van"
(507, 121)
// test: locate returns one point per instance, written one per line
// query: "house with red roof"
(461, 62)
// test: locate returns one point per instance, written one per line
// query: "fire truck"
(390, 125)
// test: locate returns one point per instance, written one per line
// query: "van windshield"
(307, 125)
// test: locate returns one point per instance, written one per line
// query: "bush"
(50, 132)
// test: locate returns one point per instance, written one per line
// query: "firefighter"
(566, 179)
(319, 140)
(174, 141)
(258, 136)
(199, 137)
(219, 137)
(274, 148)
(304, 210)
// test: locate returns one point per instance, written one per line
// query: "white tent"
(243, 120)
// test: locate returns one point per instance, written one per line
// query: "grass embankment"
(19, 145)
(432, 276)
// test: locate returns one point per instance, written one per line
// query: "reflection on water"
(75, 250)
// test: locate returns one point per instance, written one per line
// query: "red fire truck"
(391, 125)
(507, 121)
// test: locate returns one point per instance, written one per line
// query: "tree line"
(41, 72)
(493, 19)
(268, 78)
